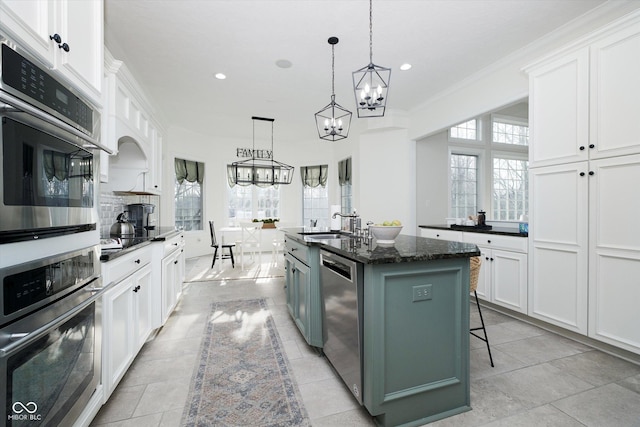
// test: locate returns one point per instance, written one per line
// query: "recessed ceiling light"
(405, 67)
(284, 63)
(220, 76)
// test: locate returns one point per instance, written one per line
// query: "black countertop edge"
(159, 234)
(505, 231)
(405, 249)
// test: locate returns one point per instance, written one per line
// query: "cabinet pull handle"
(56, 38)
(581, 147)
(137, 261)
(175, 262)
(64, 47)
(136, 289)
(591, 173)
(294, 249)
(581, 173)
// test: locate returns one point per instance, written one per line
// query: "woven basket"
(475, 263)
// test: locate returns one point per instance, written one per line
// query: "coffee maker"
(139, 214)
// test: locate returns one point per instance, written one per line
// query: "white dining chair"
(277, 245)
(251, 240)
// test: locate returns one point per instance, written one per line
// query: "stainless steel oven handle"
(26, 338)
(20, 105)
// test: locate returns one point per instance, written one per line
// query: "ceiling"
(175, 47)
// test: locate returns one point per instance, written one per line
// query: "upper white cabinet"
(65, 35)
(615, 94)
(131, 131)
(584, 103)
(559, 110)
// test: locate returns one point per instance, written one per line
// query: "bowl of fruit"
(386, 232)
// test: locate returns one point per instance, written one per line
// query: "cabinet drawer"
(435, 233)
(172, 244)
(298, 250)
(125, 265)
(495, 241)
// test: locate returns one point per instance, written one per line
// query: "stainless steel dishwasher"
(341, 283)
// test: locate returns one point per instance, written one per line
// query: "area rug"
(243, 377)
(201, 270)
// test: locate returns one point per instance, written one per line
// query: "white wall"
(432, 187)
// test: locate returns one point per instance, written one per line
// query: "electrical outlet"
(421, 293)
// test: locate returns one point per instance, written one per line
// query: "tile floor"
(540, 379)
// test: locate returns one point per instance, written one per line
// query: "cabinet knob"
(437, 235)
(155, 186)
(488, 241)
(56, 38)
(581, 173)
(137, 261)
(487, 258)
(591, 173)
(581, 147)
(592, 146)
(175, 244)
(64, 47)
(175, 262)
(491, 259)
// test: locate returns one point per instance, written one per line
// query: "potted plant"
(267, 222)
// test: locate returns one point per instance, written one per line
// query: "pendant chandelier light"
(259, 171)
(333, 121)
(371, 83)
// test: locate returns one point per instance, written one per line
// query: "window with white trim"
(507, 130)
(468, 130)
(464, 185)
(188, 194)
(315, 206)
(510, 193)
(252, 202)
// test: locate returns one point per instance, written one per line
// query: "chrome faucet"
(354, 220)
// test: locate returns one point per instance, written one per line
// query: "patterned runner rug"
(243, 377)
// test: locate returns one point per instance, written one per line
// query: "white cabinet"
(614, 252)
(37, 25)
(503, 272)
(127, 324)
(169, 271)
(559, 110)
(558, 245)
(584, 258)
(615, 94)
(435, 233)
(130, 130)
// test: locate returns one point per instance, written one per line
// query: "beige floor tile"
(596, 367)
(326, 397)
(163, 396)
(546, 415)
(121, 404)
(542, 348)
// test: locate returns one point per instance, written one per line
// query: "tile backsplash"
(112, 205)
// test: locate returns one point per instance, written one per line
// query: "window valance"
(189, 170)
(344, 171)
(313, 176)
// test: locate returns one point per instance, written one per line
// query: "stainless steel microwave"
(47, 136)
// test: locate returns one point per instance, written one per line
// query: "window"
(188, 194)
(252, 202)
(315, 206)
(464, 185)
(466, 130)
(510, 131)
(315, 196)
(344, 179)
(510, 188)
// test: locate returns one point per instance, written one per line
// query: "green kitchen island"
(415, 321)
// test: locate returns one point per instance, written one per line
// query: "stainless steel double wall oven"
(50, 292)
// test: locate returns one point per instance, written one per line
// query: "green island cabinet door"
(416, 340)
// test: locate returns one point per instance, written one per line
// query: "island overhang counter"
(415, 323)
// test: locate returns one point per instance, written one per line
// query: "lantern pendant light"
(371, 82)
(333, 121)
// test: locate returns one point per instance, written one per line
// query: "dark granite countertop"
(142, 239)
(405, 249)
(505, 231)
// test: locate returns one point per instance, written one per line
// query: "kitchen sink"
(326, 236)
